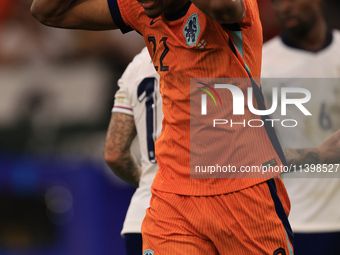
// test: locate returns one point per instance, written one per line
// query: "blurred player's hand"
(329, 150)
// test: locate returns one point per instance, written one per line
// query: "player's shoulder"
(141, 60)
(272, 45)
(141, 65)
(332, 48)
(142, 57)
(250, 16)
(272, 51)
(336, 36)
(336, 32)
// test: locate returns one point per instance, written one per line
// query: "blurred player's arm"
(78, 14)
(223, 11)
(120, 134)
(326, 153)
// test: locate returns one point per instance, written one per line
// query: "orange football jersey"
(185, 45)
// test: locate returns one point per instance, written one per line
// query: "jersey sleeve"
(123, 102)
(125, 14)
(136, 71)
(250, 13)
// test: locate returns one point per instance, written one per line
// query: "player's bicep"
(90, 15)
(79, 14)
(120, 134)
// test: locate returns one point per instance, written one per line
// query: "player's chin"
(153, 13)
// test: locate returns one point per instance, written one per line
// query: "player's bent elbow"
(39, 16)
(111, 157)
(35, 13)
(47, 19)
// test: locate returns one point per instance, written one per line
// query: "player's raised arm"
(223, 11)
(120, 134)
(78, 14)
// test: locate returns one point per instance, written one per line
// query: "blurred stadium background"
(57, 196)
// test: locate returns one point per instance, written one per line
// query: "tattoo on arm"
(302, 156)
(328, 152)
(121, 132)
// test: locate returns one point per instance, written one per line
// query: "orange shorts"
(250, 221)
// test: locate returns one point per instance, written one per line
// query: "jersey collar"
(291, 44)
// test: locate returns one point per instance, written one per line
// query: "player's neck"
(314, 40)
(175, 6)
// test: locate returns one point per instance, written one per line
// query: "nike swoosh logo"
(154, 21)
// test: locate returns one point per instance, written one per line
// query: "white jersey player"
(315, 206)
(282, 59)
(315, 201)
(138, 97)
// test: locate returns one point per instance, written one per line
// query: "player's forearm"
(127, 168)
(120, 134)
(302, 156)
(78, 14)
(223, 11)
(327, 152)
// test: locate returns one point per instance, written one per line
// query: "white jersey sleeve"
(122, 100)
(315, 203)
(139, 95)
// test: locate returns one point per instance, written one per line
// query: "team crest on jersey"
(191, 30)
(148, 252)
